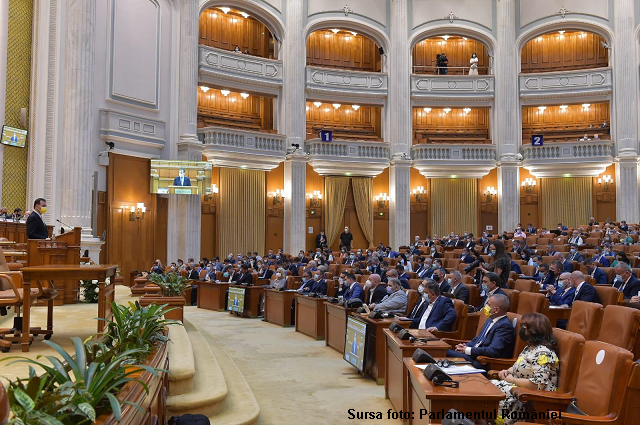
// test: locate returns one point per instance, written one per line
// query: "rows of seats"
(451, 135)
(344, 131)
(230, 120)
(566, 133)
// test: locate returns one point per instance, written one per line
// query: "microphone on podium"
(63, 224)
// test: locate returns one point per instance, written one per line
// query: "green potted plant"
(172, 293)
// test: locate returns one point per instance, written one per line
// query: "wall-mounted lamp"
(204, 89)
(383, 201)
(245, 15)
(314, 199)
(528, 184)
(490, 193)
(317, 104)
(136, 212)
(605, 182)
(244, 95)
(563, 108)
(225, 9)
(354, 33)
(355, 107)
(541, 108)
(427, 110)
(419, 193)
(447, 110)
(225, 93)
(336, 105)
(335, 31)
(446, 37)
(278, 196)
(467, 110)
(586, 105)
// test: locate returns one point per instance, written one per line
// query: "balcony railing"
(561, 83)
(358, 158)
(232, 66)
(340, 82)
(583, 158)
(452, 86)
(230, 147)
(460, 160)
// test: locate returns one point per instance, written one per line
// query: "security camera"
(295, 145)
(604, 45)
(110, 144)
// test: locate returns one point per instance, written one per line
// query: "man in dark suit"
(575, 255)
(497, 337)
(317, 285)
(265, 272)
(584, 291)
(439, 315)
(434, 253)
(377, 290)
(595, 272)
(567, 267)
(466, 256)
(354, 290)
(491, 286)
(307, 282)
(438, 277)
(555, 270)
(181, 180)
(321, 240)
(458, 289)
(599, 258)
(244, 277)
(628, 283)
(427, 271)
(374, 267)
(421, 305)
(393, 274)
(192, 273)
(531, 230)
(36, 229)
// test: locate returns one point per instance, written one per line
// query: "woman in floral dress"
(536, 366)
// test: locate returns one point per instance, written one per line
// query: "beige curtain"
(335, 195)
(566, 200)
(363, 198)
(454, 206)
(241, 210)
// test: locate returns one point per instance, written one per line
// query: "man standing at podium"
(181, 180)
(36, 229)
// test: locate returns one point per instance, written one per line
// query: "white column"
(4, 36)
(77, 130)
(625, 117)
(295, 202)
(293, 114)
(183, 228)
(507, 134)
(398, 120)
(399, 202)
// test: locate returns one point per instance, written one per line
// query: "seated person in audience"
(311, 265)
(623, 226)
(469, 242)
(496, 338)
(350, 260)
(395, 301)
(566, 264)
(427, 270)
(542, 269)
(485, 249)
(192, 273)
(575, 255)
(422, 302)
(280, 280)
(393, 274)
(211, 275)
(439, 278)
(384, 268)
(359, 256)
(466, 256)
(302, 257)
(544, 232)
(531, 230)
(292, 268)
(519, 233)
(157, 268)
(621, 257)
(599, 258)
(490, 287)
(342, 286)
(505, 236)
(536, 368)
(354, 290)
(563, 293)
(17, 214)
(417, 243)
(555, 270)
(400, 268)
(319, 286)
(374, 266)
(377, 289)
(595, 272)
(584, 291)
(626, 282)
(575, 238)
(264, 271)
(551, 249)
(625, 238)
(434, 253)
(458, 289)
(593, 222)
(4, 212)
(428, 242)
(406, 265)
(244, 276)
(307, 282)
(439, 314)
(562, 226)
(516, 267)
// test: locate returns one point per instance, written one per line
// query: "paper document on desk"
(557, 306)
(457, 370)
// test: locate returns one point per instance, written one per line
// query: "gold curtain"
(241, 211)
(566, 200)
(363, 198)
(454, 206)
(335, 195)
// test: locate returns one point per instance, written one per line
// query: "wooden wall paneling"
(380, 222)
(209, 220)
(226, 31)
(458, 53)
(102, 211)
(314, 216)
(574, 115)
(556, 52)
(342, 50)
(488, 211)
(530, 208)
(419, 221)
(477, 118)
(274, 224)
(604, 200)
(366, 116)
(214, 101)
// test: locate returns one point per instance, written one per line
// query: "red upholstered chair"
(412, 299)
(526, 285)
(609, 295)
(513, 298)
(458, 327)
(529, 302)
(620, 326)
(585, 319)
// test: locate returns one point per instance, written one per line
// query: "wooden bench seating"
(344, 131)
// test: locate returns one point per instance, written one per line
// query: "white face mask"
(316, 276)
(368, 284)
(341, 280)
(449, 281)
(278, 274)
(420, 289)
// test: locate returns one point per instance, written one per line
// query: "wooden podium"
(62, 249)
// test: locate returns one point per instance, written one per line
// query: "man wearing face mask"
(350, 260)
(490, 287)
(422, 303)
(307, 282)
(599, 258)
(496, 338)
(346, 238)
(595, 272)
(377, 290)
(321, 240)
(575, 255)
(374, 267)
(627, 283)
(36, 227)
(265, 272)
(354, 290)
(466, 256)
(552, 277)
(243, 277)
(458, 289)
(434, 253)
(439, 314)
(393, 274)
(562, 295)
(395, 302)
(438, 277)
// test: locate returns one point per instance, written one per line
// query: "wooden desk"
(396, 376)
(277, 306)
(252, 295)
(335, 326)
(475, 394)
(555, 314)
(310, 314)
(374, 364)
(48, 273)
(212, 295)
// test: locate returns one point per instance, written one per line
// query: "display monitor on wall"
(14, 136)
(235, 300)
(180, 177)
(355, 343)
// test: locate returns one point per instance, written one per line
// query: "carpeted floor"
(294, 378)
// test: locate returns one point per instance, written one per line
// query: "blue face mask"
(226, 274)
(560, 284)
(389, 290)
(485, 288)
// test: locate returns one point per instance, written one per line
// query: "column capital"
(297, 156)
(190, 148)
(401, 161)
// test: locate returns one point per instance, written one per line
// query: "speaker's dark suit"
(36, 229)
(186, 182)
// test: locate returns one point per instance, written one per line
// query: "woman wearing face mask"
(473, 65)
(500, 263)
(408, 267)
(279, 282)
(536, 367)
